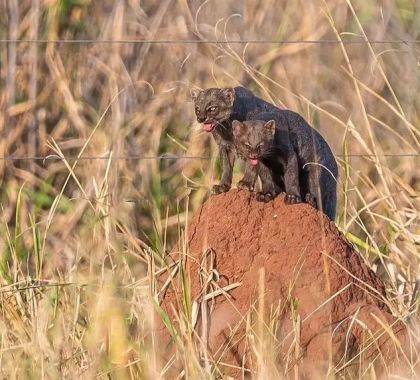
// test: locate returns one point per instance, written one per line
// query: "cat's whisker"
(223, 126)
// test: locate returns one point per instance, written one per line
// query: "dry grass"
(82, 240)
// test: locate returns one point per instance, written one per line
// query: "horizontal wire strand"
(166, 157)
(192, 41)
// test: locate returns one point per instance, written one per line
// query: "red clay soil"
(292, 256)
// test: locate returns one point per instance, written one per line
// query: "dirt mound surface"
(283, 275)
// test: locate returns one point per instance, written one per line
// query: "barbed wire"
(171, 157)
(193, 41)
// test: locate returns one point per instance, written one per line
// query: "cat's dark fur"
(216, 108)
(296, 154)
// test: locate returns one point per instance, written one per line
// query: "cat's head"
(213, 106)
(254, 139)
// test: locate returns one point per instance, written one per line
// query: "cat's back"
(300, 128)
(303, 137)
(243, 93)
(252, 103)
(309, 141)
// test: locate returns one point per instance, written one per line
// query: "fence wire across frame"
(197, 41)
(169, 157)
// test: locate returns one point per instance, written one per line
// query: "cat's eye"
(260, 145)
(212, 108)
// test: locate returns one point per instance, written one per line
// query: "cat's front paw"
(265, 197)
(221, 188)
(244, 185)
(291, 199)
(310, 199)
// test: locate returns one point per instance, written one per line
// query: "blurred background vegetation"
(77, 236)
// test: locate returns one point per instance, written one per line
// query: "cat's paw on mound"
(221, 188)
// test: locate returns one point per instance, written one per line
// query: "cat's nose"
(201, 119)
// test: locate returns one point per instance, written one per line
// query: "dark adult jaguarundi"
(216, 108)
(296, 155)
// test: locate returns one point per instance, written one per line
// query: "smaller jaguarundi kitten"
(216, 108)
(297, 156)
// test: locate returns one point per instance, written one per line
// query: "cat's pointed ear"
(195, 92)
(229, 95)
(270, 127)
(237, 127)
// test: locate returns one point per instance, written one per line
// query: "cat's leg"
(268, 187)
(304, 187)
(328, 190)
(227, 158)
(323, 188)
(249, 178)
(310, 199)
(313, 197)
(291, 180)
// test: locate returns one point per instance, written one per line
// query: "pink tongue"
(253, 161)
(208, 127)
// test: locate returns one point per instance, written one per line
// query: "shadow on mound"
(278, 287)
